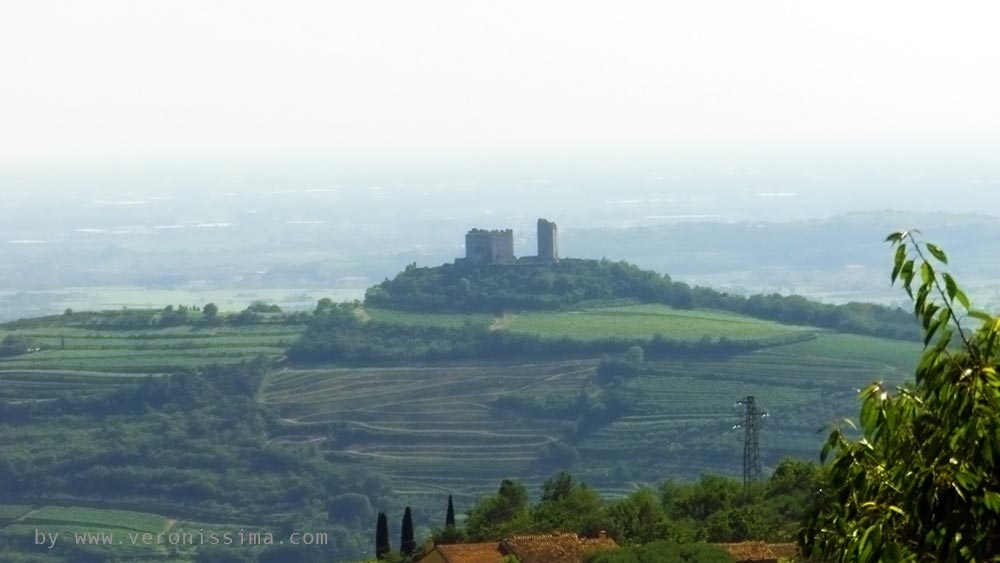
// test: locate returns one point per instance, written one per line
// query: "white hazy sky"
(97, 79)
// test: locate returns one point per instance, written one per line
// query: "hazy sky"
(94, 79)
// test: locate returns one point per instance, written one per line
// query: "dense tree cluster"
(608, 398)
(194, 444)
(497, 289)
(671, 524)
(14, 345)
(715, 509)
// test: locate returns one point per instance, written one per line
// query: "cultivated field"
(143, 351)
(27, 385)
(647, 321)
(637, 321)
(124, 530)
(434, 432)
(445, 320)
(74, 523)
(431, 429)
(683, 424)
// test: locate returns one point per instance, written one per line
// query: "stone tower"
(548, 241)
(489, 247)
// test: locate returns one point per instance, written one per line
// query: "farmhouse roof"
(471, 553)
(554, 548)
(551, 548)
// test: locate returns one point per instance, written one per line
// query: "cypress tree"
(449, 519)
(382, 547)
(406, 542)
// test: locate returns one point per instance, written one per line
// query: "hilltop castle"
(497, 246)
(489, 247)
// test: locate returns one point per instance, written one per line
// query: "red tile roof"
(545, 548)
(471, 552)
(554, 548)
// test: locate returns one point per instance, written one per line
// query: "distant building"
(544, 548)
(489, 247)
(497, 246)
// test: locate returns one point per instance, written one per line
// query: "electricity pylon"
(751, 441)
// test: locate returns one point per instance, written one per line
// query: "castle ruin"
(548, 241)
(489, 247)
(497, 246)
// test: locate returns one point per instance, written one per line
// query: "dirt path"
(503, 321)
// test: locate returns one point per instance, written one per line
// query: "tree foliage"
(922, 483)
(407, 543)
(449, 519)
(502, 514)
(14, 345)
(712, 509)
(382, 546)
(568, 506)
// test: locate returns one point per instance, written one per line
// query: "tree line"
(672, 521)
(337, 333)
(209, 315)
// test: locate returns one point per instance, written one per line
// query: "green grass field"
(444, 320)
(646, 321)
(98, 518)
(635, 321)
(124, 529)
(11, 512)
(169, 540)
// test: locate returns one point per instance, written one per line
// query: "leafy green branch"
(923, 483)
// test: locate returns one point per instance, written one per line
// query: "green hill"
(620, 376)
(499, 289)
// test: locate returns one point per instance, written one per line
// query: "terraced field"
(433, 431)
(144, 351)
(29, 385)
(684, 421)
